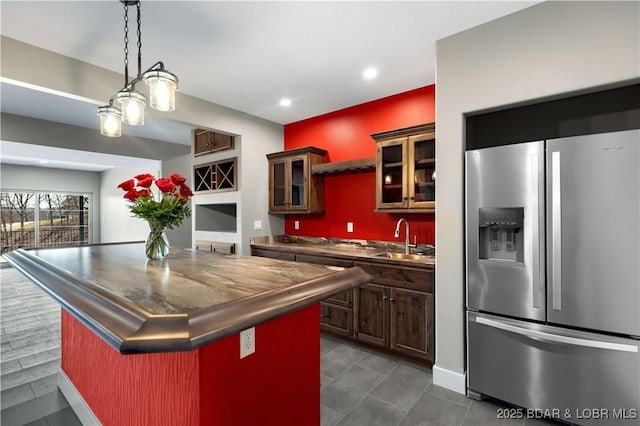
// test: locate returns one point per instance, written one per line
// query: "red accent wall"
(345, 134)
(277, 385)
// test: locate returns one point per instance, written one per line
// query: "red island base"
(279, 384)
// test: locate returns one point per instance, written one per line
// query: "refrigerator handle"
(534, 231)
(556, 338)
(556, 232)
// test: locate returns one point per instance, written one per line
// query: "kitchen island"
(157, 342)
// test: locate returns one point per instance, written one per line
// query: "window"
(31, 219)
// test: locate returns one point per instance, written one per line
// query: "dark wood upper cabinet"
(406, 170)
(207, 142)
(292, 187)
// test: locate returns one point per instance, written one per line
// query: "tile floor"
(359, 386)
(30, 355)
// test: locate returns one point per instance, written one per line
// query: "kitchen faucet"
(407, 245)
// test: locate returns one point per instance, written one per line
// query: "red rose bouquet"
(169, 211)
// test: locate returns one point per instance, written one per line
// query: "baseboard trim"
(449, 379)
(76, 401)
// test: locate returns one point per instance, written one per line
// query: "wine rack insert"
(216, 176)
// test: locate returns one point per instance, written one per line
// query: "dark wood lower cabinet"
(394, 312)
(372, 314)
(395, 319)
(410, 327)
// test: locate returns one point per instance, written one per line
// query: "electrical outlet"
(257, 225)
(296, 224)
(349, 226)
(247, 342)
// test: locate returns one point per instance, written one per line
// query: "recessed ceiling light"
(370, 73)
(285, 102)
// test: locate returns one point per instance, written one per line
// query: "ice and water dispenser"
(501, 233)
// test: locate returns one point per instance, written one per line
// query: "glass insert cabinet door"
(279, 196)
(293, 188)
(406, 169)
(392, 175)
(289, 184)
(422, 171)
(298, 174)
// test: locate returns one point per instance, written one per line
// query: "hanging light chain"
(139, 41)
(126, 44)
(161, 82)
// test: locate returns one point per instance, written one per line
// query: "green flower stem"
(157, 244)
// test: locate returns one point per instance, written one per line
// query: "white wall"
(117, 223)
(25, 178)
(181, 235)
(546, 50)
(255, 138)
(255, 180)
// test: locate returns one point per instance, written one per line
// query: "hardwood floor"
(359, 386)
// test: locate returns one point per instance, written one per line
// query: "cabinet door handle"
(392, 299)
(385, 297)
(323, 316)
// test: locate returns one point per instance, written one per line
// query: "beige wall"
(546, 50)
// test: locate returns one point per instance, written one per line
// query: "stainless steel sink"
(390, 255)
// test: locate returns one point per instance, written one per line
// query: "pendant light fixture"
(162, 86)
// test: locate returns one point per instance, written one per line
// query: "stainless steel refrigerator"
(553, 277)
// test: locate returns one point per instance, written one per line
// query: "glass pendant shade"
(110, 121)
(162, 89)
(132, 106)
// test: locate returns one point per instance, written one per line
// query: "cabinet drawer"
(336, 319)
(321, 260)
(400, 276)
(272, 254)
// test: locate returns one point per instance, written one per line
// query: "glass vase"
(157, 244)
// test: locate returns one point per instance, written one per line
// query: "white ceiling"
(246, 55)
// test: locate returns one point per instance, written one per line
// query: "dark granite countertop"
(188, 300)
(359, 250)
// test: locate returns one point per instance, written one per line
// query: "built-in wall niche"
(216, 217)
(217, 176)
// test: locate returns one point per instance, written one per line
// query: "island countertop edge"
(130, 329)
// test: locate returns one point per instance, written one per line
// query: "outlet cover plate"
(247, 342)
(349, 226)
